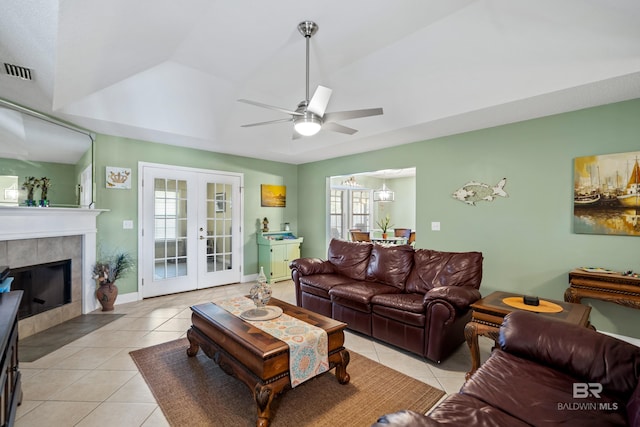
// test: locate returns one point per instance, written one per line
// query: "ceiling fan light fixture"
(307, 125)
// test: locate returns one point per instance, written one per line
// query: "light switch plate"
(127, 224)
(435, 226)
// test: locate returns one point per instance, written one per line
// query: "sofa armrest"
(458, 296)
(633, 408)
(576, 350)
(309, 266)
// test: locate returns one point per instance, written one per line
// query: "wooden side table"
(614, 287)
(488, 313)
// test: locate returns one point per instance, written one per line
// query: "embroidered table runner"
(308, 345)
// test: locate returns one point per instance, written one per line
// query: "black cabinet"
(10, 387)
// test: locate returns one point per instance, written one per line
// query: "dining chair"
(412, 238)
(360, 236)
(402, 232)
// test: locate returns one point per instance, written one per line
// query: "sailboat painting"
(606, 194)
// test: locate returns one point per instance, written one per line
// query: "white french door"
(190, 229)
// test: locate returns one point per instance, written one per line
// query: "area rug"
(194, 391)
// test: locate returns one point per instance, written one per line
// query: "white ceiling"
(171, 71)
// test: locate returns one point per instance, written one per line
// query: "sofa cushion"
(465, 410)
(413, 303)
(390, 264)
(434, 268)
(321, 284)
(633, 407)
(538, 394)
(358, 295)
(400, 316)
(350, 258)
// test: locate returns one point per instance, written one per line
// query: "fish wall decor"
(473, 192)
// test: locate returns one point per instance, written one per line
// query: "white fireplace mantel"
(21, 222)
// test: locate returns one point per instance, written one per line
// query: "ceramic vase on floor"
(107, 295)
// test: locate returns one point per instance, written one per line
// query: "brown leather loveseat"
(417, 300)
(545, 373)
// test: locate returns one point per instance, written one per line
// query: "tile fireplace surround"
(30, 236)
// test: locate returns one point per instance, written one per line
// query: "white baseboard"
(125, 298)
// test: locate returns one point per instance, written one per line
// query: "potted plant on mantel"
(385, 225)
(106, 273)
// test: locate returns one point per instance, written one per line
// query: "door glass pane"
(219, 226)
(170, 231)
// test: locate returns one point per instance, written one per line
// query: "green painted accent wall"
(123, 204)
(63, 179)
(526, 239)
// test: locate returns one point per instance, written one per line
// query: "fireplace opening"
(45, 286)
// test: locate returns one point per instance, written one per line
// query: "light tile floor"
(93, 381)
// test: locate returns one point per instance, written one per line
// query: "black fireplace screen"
(45, 286)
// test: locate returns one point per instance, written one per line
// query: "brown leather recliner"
(417, 300)
(545, 373)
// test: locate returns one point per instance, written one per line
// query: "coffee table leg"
(194, 346)
(263, 396)
(341, 367)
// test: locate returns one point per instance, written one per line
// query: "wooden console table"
(614, 287)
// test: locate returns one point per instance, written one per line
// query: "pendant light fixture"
(384, 194)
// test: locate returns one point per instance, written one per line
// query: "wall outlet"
(435, 226)
(127, 224)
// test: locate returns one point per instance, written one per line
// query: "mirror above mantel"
(35, 145)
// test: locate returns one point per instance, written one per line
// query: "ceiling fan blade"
(319, 101)
(270, 107)
(267, 123)
(352, 114)
(335, 127)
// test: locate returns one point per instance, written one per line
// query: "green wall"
(526, 239)
(123, 204)
(63, 179)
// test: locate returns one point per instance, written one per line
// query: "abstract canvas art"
(606, 196)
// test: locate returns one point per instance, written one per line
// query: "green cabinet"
(275, 250)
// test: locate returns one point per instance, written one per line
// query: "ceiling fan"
(310, 115)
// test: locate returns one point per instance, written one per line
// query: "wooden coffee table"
(255, 357)
(488, 313)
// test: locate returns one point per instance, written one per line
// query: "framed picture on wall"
(221, 202)
(274, 196)
(118, 178)
(606, 194)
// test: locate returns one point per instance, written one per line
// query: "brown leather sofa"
(546, 373)
(417, 300)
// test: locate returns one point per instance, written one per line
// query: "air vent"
(23, 73)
